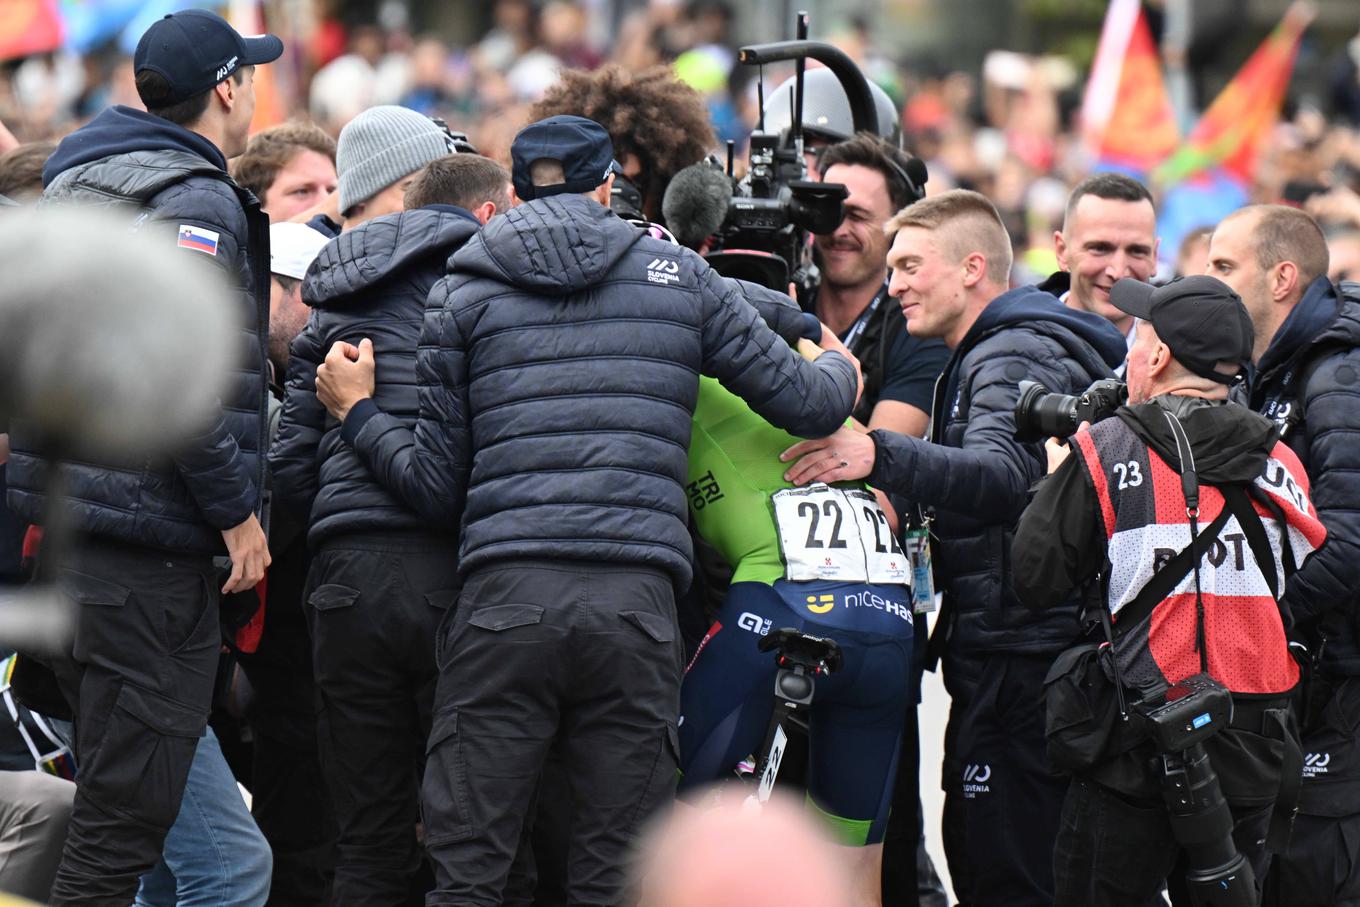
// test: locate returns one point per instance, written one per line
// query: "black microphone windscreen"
(695, 203)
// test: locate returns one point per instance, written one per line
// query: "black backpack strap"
(1165, 580)
(1235, 499)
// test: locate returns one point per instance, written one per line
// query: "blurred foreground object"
(735, 856)
(112, 343)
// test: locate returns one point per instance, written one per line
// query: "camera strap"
(1190, 487)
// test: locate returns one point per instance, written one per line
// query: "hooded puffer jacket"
(166, 175)
(976, 476)
(370, 282)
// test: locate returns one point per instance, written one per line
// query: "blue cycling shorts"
(857, 713)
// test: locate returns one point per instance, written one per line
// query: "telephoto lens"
(1218, 876)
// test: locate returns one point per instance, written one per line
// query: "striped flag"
(1127, 119)
(1230, 133)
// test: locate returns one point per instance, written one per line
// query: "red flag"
(1127, 118)
(29, 27)
(1232, 130)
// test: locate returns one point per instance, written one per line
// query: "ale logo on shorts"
(754, 623)
(820, 604)
(1316, 764)
(975, 778)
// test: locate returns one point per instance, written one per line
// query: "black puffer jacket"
(559, 369)
(1318, 347)
(975, 474)
(130, 158)
(370, 282)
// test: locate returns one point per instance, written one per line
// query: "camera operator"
(1306, 356)
(852, 299)
(1115, 519)
(951, 263)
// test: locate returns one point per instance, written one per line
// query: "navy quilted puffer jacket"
(370, 282)
(559, 369)
(131, 159)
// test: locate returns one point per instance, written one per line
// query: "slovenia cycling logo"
(975, 778)
(663, 271)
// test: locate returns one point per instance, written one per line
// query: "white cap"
(292, 247)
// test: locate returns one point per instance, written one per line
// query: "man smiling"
(1109, 232)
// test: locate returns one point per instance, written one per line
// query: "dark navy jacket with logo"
(976, 475)
(126, 157)
(559, 368)
(1312, 369)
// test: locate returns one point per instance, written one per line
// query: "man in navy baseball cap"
(562, 154)
(152, 533)
(194, 49)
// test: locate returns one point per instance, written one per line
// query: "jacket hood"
(121, 130)
(376, 250)
(1230, 443)
(553, 246)
(1033, 308)
(1310, 318)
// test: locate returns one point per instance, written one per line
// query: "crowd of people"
(471, 572)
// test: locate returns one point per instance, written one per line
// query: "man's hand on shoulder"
(346, 377)
(847, 454)
(248, 549)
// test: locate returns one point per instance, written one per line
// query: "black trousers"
(289, 799)
(1322, 865)
(1114, 851)
(373, 604)
(139, 678)
(587, 654)
(1002, 802)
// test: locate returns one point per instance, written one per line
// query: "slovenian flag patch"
(191, 237)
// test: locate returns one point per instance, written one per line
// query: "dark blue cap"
(582, 145)
(195, 49)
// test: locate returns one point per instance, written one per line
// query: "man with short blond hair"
(950, 265)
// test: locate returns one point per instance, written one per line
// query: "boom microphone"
(695, 203)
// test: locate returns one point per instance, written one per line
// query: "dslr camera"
(1041, 414)
(1178, 723)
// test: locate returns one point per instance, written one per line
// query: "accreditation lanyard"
(861, 324)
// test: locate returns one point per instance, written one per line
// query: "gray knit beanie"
(380, 146)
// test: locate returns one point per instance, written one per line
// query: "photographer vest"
(1143, 509)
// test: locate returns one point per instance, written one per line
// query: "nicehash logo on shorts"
(1316, 764)
(663, 271)
(975, 778)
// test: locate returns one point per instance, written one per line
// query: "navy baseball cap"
(1198, 317)
(194, 50)
(582, 145)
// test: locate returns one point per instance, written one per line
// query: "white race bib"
(837, 534)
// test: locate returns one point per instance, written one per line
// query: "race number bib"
(837, 534)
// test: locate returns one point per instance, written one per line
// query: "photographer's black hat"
(583, 147)
(194, 49)
(1199, 317)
